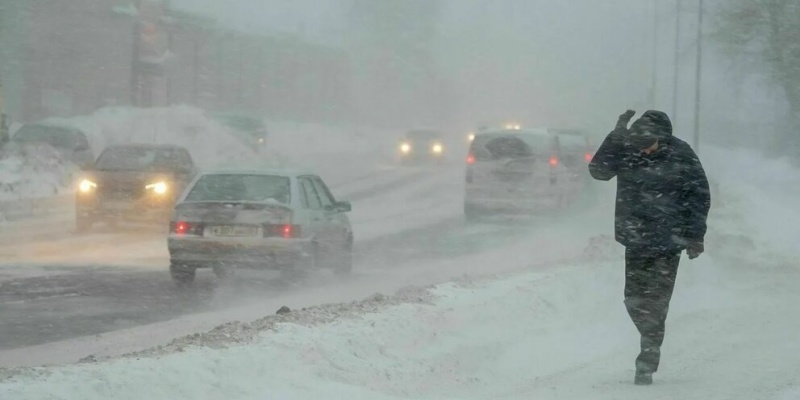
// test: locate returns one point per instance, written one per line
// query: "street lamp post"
(698, 76)
(135, 55)
(676, 67)
(654, 72)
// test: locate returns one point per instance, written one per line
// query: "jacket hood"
(652, 123)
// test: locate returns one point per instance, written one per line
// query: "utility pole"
(676, 66)
(654, 77)
(698, 78)
(135, 55)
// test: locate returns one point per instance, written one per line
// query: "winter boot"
(643, 378)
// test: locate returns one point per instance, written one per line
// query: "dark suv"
(133, 183)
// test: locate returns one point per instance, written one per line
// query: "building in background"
(64, 58)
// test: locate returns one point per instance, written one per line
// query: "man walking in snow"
(663, 200)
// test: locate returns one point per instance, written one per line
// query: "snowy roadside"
(557, 333)
(544, 333)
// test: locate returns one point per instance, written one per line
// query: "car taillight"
(588, 157)
(286, 231)
(470, 159)
(553, 161)
(181, 228)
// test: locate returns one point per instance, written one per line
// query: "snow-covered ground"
(33, 171)
(557, 330)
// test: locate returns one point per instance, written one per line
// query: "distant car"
(133, 183)
(251, 130)
(71, 143)
(262, 219)
(421, 145)
(517, 171)
(576, 148)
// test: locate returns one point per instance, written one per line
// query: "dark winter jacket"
(662, 198)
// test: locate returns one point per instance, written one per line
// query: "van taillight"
(470, 159)
(553, 161)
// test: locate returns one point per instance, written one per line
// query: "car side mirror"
(343, 206)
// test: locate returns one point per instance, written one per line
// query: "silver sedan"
(261, 219)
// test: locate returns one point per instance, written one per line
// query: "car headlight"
(158, 187)
(405, 147)
(86, 186)
(261, 140)
(437, 148)
(471, 137)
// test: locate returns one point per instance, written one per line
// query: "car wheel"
(182, 275)
(300, 268)
(83, 224)
(343, 261)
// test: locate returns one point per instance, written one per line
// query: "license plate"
(233, 231)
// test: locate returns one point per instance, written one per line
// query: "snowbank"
(38, 171)
(340, 152)
(209, 143)
(33, 171)
(420, 344)
(560, 333)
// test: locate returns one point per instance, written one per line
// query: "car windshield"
(139, 159)
(240, 187)
(55, 136)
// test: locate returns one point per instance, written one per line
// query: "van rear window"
(513, 145)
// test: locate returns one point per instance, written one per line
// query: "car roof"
(288, 172)
(54, 125)
(153, 146)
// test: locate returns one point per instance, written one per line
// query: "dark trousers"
(649, 281)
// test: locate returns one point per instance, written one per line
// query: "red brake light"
(553, 161)
(287, 231)
(470, 159)
(588, 157)
(181, 227)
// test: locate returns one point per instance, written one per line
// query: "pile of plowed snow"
(38, 171)
(209, 143)
(32, 171)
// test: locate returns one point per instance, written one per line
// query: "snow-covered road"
(519, 310)
(545, 334)
(57, 288)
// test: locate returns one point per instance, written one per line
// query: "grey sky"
(545, 62)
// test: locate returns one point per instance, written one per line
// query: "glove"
(694, 249)
(623, 120)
